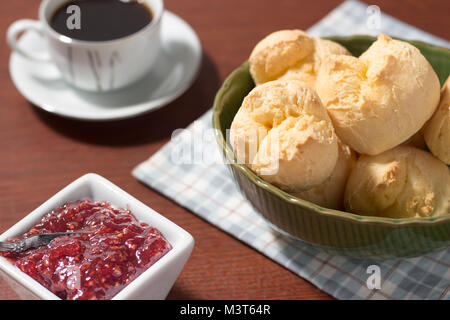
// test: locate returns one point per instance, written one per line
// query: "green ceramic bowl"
(334, 231)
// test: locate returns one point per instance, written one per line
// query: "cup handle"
(12, 37)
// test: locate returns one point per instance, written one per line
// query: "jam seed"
(117, 272)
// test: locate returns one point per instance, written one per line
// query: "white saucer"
(173, 73)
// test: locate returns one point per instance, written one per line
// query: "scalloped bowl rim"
(217, 109)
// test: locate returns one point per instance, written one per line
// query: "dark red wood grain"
(41, 153)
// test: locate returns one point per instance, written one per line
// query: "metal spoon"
(33, 241)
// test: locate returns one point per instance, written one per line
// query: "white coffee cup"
(93, 65)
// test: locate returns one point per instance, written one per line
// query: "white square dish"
(154, 283)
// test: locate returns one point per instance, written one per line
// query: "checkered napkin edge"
(194, 176)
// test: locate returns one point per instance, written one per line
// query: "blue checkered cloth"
(190, 170)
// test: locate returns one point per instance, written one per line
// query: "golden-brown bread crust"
(330, 193)
(417, 140)
(283, 133)
(403, 182)
(437, 130)
(382, 98)
(290, 55)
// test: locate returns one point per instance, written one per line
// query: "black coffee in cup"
(101, 20)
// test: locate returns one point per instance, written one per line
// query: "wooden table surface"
(41, 153)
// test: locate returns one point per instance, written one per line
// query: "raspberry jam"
(115, 249)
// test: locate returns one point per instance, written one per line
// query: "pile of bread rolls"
(369, 134)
